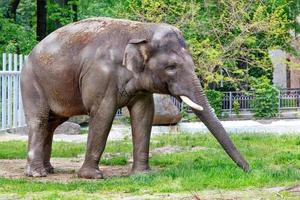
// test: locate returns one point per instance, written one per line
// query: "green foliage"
(215, 99)
(230, 35)
(236, 107)
(15, 38)
(123, 120)
(265, 103)
(59, 15)
(229, 40)
(187, 116)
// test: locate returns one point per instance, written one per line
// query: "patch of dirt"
(65, 169)
(167, 149)
(175, 149)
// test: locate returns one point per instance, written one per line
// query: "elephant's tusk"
(189, 102)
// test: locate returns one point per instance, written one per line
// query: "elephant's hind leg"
(37, 140)
(37, 114)
(53, 123)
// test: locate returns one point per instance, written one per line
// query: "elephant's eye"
(171, 69)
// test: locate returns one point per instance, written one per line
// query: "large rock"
(166, 112)
(68, 128)
(80, 119)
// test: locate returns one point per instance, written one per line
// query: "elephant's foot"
(36, 171)
(49, 168)
(90, 173)
(137, 169)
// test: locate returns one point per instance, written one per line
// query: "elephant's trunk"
(215, 127)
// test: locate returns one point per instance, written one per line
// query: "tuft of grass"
(120, 160)
(18, 149)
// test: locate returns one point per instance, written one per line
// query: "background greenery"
(229, 39)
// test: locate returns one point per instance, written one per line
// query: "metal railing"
(243, 99)
(288, 99)
(12, 114)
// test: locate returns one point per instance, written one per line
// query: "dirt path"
(65, 169)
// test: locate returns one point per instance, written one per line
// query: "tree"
(12, 9)
(61, 12)
(229, 40)
(41, 24)
(75, 11)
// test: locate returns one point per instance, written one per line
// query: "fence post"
(15, 91)
(230, 102)
(9, 91)
(20, 106)
(279, 100)
(3, 96)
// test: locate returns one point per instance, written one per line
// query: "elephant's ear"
(136, 54)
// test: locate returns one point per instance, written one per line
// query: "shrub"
(186, 116)
(265, 103)
(215, 99)
(236, 107)
(15, 38)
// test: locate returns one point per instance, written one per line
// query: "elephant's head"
(162, 64)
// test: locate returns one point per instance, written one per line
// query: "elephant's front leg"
(141, 112)
(99, 126)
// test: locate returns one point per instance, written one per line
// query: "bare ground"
(65, 169)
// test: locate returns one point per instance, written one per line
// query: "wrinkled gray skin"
(98, 65)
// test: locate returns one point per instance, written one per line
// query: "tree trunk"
(74, 8)
(41, 15)
(75, 12)
(12, 9)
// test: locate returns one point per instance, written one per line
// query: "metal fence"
(288, 99)
(243, 99)
(12, 114)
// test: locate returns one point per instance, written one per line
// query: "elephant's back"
(72, 44)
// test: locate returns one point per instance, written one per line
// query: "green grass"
(275, 161)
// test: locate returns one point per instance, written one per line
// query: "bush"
(236, 107)
(266, 102)
(15, 38)
(187, 116)
(215, 99)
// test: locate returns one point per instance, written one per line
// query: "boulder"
(80, 119)
(166, 112)
(68, 128)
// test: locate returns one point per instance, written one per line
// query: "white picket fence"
(12, 114)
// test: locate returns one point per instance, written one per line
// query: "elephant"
(98, 65)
